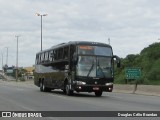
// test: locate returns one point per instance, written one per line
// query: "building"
(28, 73)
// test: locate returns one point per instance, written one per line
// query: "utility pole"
(2, 63)
(17, 59)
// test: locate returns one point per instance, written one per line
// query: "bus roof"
(77, 43)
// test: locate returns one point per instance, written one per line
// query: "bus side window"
(65, 55)
(72, 50)
(42, 57)
(37, 59)
(46, 56)
(51, 56)
(55, 54)
(60, 53)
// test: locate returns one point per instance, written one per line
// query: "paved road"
(27, 97)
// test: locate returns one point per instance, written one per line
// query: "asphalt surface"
(27, 97)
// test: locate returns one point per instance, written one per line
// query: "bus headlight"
(80, 83)
(109, 84)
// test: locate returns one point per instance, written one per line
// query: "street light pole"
(2, 59)
(41, 31)
(41, 15)
(17, 59)
(2, 63)
(7, 57)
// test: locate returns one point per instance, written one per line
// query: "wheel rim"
(41, 86)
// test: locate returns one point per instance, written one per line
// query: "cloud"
(130, 25)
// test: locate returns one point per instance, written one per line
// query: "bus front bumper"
(93, 88)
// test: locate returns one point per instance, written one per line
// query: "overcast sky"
(131, 25)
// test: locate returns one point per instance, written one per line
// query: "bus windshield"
(94, 50)
(94, 66)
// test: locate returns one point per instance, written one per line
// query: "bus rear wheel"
(98, 93)
(43, 88)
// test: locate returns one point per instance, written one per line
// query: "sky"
(131, 25)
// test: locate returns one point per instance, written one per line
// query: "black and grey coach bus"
(80, 66)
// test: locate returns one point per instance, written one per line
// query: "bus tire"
(98, 93)
(68, 91)
(43, 88)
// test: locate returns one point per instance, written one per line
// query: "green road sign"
(133, 73)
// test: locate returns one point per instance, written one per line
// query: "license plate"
(95, 88)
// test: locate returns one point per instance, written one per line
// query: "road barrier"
(141, 89)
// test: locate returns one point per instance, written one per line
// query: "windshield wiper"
(90, 69)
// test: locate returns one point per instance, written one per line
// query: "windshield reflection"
(91, 66)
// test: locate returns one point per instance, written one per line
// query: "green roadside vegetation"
(149, 62)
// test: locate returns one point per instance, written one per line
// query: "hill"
(149, 62)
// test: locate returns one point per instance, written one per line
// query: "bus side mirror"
(75, 59)
(118, 60)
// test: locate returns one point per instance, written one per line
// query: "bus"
(76, 66)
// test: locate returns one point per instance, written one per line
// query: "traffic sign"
(133, 73)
